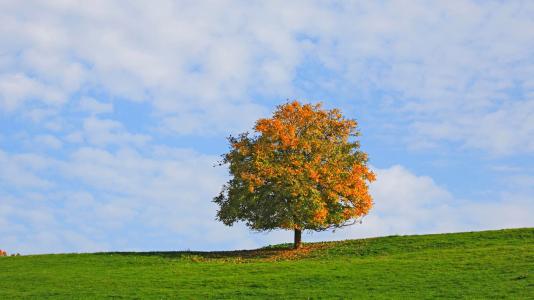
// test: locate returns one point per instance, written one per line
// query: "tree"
(301, 170)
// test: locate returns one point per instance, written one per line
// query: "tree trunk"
(298, 238)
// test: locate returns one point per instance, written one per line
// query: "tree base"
(297, 242)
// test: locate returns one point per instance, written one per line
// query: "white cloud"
(173, 59)
(104, 132)
(15, 89)
(460, 71)
(508, 130)
(20, 171)
(95, 107)
(446, 63)
(31, 226)
(48, 141)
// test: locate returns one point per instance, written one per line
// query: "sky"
(114, 113)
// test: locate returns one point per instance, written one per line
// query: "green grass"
(475, 265)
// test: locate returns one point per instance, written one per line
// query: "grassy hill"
(481, 265)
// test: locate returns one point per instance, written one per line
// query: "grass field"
(475, 265)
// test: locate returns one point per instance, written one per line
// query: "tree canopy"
(302, 169)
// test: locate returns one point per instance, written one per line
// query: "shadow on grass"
(270, 253)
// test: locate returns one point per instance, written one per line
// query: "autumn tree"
(301, 170)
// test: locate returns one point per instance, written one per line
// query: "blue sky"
(113, 113)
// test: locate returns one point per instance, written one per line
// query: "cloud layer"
(455, 70)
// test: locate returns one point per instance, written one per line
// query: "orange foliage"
(306, 156)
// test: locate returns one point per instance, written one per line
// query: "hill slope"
(490, 264)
